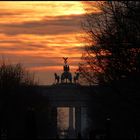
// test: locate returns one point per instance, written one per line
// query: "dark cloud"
(10, 41)
(58, 25)
(17, 45)
(7, 13)
(73, 49)
(39, 61)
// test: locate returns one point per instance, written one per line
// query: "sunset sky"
(38, 34)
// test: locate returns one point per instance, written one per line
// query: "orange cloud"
(38, 34)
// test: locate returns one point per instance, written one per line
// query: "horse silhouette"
(66, 76)
(56, 78)
(76, 77)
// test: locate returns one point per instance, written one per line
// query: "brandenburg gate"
(72, 96)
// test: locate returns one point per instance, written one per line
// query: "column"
(78, 120)
(71, 118)
(71, 123)
(54, 121)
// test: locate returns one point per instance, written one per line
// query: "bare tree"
(12, 76)
(112, 57)
(113, 40)
(22, 106)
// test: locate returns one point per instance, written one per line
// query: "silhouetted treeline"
(113, 39)
(23, 111)
(112, 60)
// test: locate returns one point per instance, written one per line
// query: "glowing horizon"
(38, 34)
